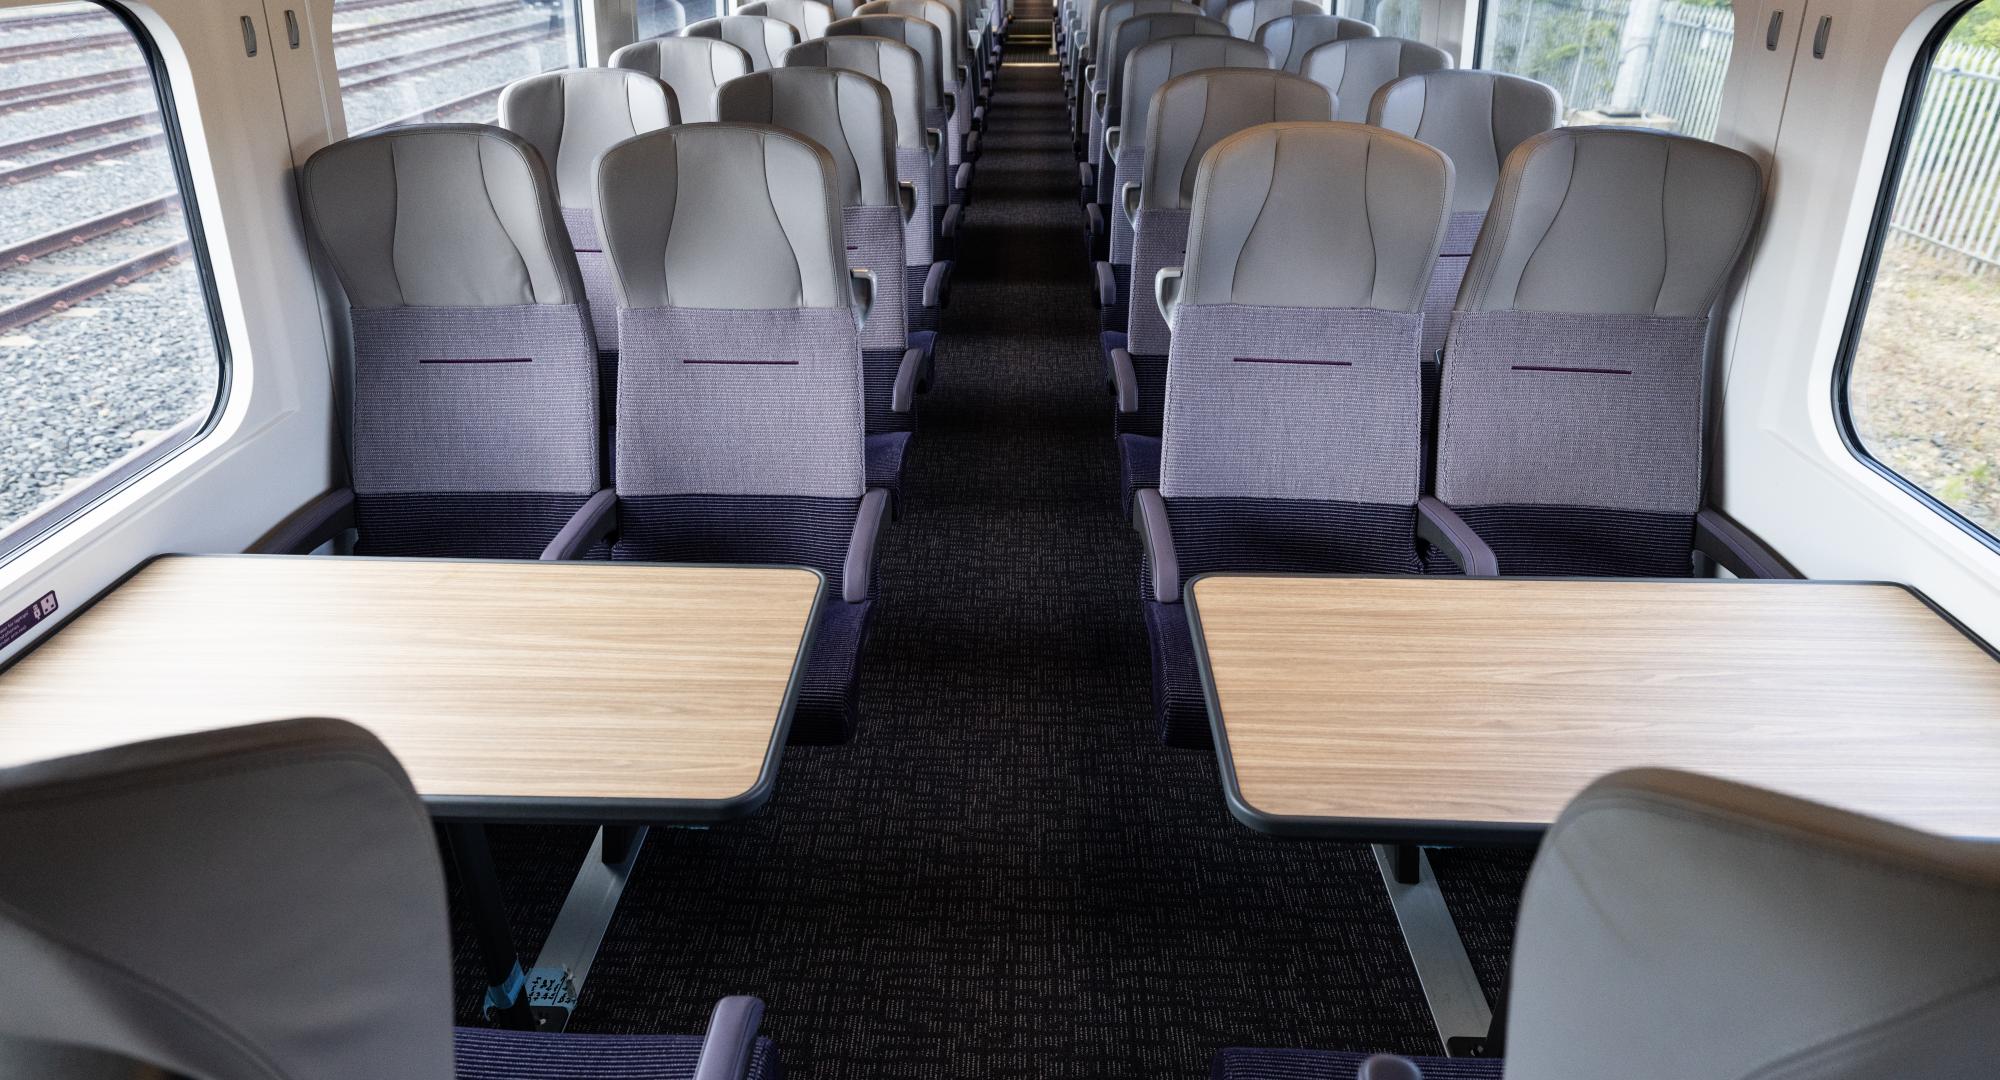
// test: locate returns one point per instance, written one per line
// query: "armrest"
(861, 286)
(937, 284)
(933, 144)
(1112, 134)
(860, 565)
(592, 522)
(906, 196)
(1106, 284)
(731, 1039)
(1388, 1067)
(1093, 216)
(1129, 199)
(1720, 537)
(1440, 526)
(904, 394)
(1167, 293)
(1124, 381)
(1086, 177)
(1149, 516)
(1090, 80)
(964, 74)
(326, 516)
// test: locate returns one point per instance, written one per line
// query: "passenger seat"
(1570, 421)
(1290, 439)
(740, 407)
(1291, 37)
(1088, 119)
(958, 77)
(693, 67)
(1247, 17)
(1355, 68)
(474, 430)
(762, 39)
(940, 103)
(1130, 35)
(808, 17)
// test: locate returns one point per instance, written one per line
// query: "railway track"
(123, 271)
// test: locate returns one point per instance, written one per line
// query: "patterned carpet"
(1004, 875)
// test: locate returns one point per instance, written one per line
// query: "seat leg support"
(1444, 971)
(506, 995)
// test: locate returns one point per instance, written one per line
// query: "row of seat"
(1672, 926)
(600, 330)
(1455, 339)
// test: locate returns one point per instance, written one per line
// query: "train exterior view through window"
(1061, 539)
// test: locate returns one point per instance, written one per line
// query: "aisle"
(1003, 876)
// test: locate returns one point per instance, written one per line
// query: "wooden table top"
(509, 690)
(1454, 709)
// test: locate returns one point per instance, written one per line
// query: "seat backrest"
(1155, 63)
(1574, 373)
(1357, 67)
(475, 379)
(1246, 17)
(762, 38)
(1193, 112)
(1476, 117)
(657, 17)
(1291, 37)
(1144, 29)
(1676, 925)
(951, 33)
(1294, 365)
(742, 367)
(898, 67)
(808, 17)
(234, 905)
(919, 34)
(1114, 15)
(692, 66)
(848, 114)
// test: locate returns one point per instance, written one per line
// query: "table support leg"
(1451, 988)
(506, 998)
(556, 981)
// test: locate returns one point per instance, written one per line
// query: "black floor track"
(1004, 874)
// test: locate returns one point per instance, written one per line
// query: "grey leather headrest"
(762, 39)
(440, 215)
(240, 904)
(918, 34)
(1476, 117)
(893, 64)
(951, 31)
(1154, 64)
(848, 114)
(1142, 29)
(1245, 17)
(693, 66)
(1354, 69)
(1113, 16)
(737, 216)
(1266, 229)
(1195, 111)
(1678, 926)
(809, 17)
(1291, 37)
(573, 115)
(1613, 221)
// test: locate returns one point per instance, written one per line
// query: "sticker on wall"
(26, 618)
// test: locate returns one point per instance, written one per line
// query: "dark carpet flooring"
(1004, 875)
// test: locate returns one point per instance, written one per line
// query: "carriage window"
(108, 358)
(419, 61)
(1646, 63)
(658, 18)
(1923, 379)
(1393, 18)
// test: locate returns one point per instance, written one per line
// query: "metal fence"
(1659, 61)
(1949, 197)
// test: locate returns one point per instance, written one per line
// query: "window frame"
(51, 518)
(1916, 86)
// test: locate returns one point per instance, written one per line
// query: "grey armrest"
(904, 394)
(1167, 293)
(1129, 199)
(595, 520)
(731, 1039)
(948, 224)
(1086, 177)
(962, 180)
(861, 283)
(1720, 537)
(1093, 216)
(1442, 528)
(860, 565)
(1113, 135)
(933, 144)
(906, 197)
(937, 285)
(1106, 283)
(1388, 1067)
(1124, 381)
(1149, 516)
(326, 516)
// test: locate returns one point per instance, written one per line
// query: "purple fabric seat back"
(475, 426)
(1570, 414)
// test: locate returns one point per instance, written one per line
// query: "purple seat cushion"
(491, 1054)
(885, 461)
(1241, 1064)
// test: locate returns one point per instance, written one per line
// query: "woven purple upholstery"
(829, 702)
(1459, 236)
(885, 461)
(1180, 710)
(463, 525)
(1114, 316)
(1160, 241)
(599, 284)
(493, 1054)
(1150, 373)
(1138, 466)
(879, 368)
(1242, 1064)
(921, 318)
(1563, 541)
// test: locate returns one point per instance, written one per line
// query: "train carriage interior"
(1114, 539)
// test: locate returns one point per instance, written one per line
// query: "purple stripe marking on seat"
(1274, 360)
(1572, 370)
(480, 360)
(746, 363)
